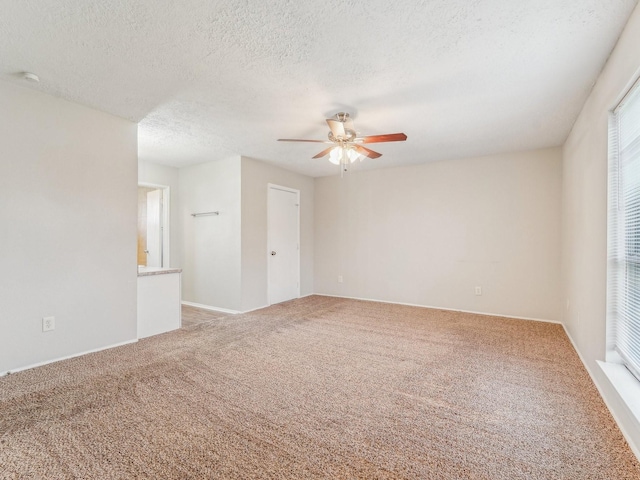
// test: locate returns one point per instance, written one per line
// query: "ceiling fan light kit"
(347, 146)
(343, 155)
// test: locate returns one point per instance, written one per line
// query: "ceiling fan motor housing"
(349, 136)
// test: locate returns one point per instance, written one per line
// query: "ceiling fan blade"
(299, 140)
(337, 128)
(366, 151)
(323, 153)
(388, 137)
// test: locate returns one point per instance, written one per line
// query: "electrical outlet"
(340, 279)
(48, 324)
(478, 290)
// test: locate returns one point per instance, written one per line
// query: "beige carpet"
(192, 315)
(318, 388)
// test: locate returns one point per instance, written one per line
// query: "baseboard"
(67, 357)
(234, 312)
(634, 448)
(254, 309)
(209, 307)
(444, 308)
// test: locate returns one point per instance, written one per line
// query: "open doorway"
(153, 225)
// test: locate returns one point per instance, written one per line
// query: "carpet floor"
(192, 315)
(318, 388)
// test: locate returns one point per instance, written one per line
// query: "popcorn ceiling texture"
(210, 79)
(318, 388)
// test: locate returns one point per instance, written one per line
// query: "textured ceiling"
(211, 79)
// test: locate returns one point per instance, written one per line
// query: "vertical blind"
(623, 272)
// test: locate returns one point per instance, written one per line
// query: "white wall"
(584, 248)
(255, 178)
(150, 173)
(428, 234)
(68, 228)
(211, 246)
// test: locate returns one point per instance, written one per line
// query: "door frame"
(274, 186)
(166, 227)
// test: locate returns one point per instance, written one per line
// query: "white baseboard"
(634, 448)
(444, 308)
(209, 307)
(67, 357)
(234, 312)
(267, 305)
(254, 309)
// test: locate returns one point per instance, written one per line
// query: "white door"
(283, 234)
(154, 228)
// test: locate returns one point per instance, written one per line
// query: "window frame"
(618, 258)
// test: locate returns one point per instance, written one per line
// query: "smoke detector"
(31, 77)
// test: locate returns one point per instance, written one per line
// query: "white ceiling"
(212, 79)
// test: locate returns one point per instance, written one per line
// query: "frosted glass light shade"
(335, 155)
(353, 155)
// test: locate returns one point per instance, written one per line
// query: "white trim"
(209, 307)
(635, 78)
(224, 310)
(166, 227)
(284, 189)
(67, 357)
(634, 448)
(627, 386)
(166, 220)
(297, 192)
(444, 308)
(267, 306)
(257, 308)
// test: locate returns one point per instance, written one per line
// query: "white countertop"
(144, 271)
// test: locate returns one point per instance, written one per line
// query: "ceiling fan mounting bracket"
(342, 116)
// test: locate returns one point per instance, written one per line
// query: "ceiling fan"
(346, 146)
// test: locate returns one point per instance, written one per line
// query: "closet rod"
(204, 214)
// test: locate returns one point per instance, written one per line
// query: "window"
(623, 269)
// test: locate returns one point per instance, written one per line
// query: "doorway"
(153, 225)
(283, 243)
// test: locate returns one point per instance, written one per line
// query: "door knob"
(273, 252)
